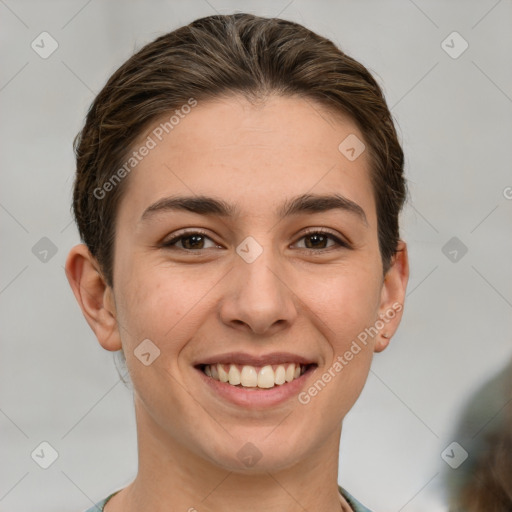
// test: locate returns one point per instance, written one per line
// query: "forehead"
(251, 155)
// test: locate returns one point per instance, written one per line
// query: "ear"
(94, 296)
(393, 296)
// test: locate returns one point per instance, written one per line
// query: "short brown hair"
(214, 56)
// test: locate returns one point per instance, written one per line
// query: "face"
(250, 278)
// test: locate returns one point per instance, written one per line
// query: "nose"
(259, 296)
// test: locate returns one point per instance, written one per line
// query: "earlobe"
(93, 295)
(392, 297)
(381, 342)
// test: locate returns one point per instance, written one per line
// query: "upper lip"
(243, 358)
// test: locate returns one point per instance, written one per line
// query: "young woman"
(238, 187)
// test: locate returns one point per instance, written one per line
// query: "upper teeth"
(251, 376)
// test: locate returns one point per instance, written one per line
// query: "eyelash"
(315, 231)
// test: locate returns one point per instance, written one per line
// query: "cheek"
(153, 310)
(163, 305)
(346, 300)
(153, 319)
(346, 309)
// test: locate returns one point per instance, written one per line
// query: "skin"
(199, 304)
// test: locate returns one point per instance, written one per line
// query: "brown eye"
(195, 241)
(318, 240)
(189, 241)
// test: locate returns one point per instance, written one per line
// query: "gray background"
(454, 116)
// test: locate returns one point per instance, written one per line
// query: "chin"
(265, 451)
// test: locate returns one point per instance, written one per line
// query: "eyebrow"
(204, 205)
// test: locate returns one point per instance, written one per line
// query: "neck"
(171, 474)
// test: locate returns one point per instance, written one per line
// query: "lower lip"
(254, 398)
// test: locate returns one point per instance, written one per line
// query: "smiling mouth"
(255, 377)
